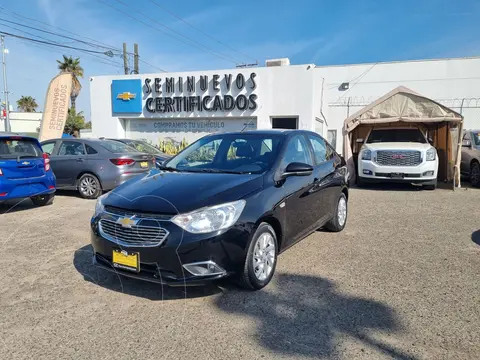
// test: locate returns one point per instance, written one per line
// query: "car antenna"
(247, 124)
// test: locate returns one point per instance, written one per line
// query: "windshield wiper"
(169, 168)
(218, 171)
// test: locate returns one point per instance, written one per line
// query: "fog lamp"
(428, 173)
(367, 172)
(204, 268)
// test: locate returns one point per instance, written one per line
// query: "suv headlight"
(99, 205)
(431, 154)
(211, 218)
(366, 154)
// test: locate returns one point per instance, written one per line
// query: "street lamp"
(5, 88)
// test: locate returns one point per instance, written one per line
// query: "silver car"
(92, 166)
(470, 165)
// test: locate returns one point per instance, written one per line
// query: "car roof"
(9, 134)
(260, 132)
(78, 139)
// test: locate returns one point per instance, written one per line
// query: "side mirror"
(342, 161)
(360, 141)
(466, 143)
(297, 169)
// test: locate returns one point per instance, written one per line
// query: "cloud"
(48, 9)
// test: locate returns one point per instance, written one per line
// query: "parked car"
(145, 147)
(470, 165)
(398, 155)
(225, 206)
(92, 166)
(25, 170)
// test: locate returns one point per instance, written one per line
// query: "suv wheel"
(89, 186)
(339, 220)
(475, 174)
(42, 200)
(261, 259)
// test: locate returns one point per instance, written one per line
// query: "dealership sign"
(189, 94)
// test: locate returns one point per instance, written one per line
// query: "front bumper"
(426, 172)
(163, 264)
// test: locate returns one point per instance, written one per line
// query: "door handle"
(80, 160)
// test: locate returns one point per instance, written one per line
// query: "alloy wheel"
(342, 211)
(88, 186)
(264, 256)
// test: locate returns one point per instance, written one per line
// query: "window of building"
(285, 123)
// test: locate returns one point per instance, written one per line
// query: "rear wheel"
(261, 259)
(475, 174)
(42, 200)
(337, 223)
(89, 186)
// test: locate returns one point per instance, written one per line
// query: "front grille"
(128, 213)
(399, 158)
(135, 235)
(404, 175)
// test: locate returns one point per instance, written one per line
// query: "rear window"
(396, 135)
(116, 147)
(13, 148)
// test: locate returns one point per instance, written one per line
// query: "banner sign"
(56, 107)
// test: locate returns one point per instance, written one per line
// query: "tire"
(42, 200)
(339, 220)
(432, 186)
(475, 174)
(89, 186)
(251, 279)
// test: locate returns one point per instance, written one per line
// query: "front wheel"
(475, 174)
(42, 200)
(261, 259)
(337, 223)
(89, 186)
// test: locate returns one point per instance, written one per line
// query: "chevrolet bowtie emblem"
(126, 96)
(25, 163)
(126, 222)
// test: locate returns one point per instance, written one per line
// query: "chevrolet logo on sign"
(126, 96)
(126, 222)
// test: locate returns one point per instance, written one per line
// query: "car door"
(325, 184)
(299, 200)
(70, 160)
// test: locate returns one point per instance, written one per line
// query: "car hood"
(180, 192)
(397, 146)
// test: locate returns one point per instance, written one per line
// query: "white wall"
(447, 81)
(23, 121)
(281, 91)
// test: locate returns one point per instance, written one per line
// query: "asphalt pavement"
(401, 281)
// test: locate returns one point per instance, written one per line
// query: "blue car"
(25, 170)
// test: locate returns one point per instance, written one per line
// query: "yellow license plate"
(144, 164)
(122, 259)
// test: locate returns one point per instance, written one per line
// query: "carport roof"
(402, 104)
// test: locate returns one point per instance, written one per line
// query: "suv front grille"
(135, 235)
(399, 158)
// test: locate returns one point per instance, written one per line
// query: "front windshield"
(229, 153)
(396, 135)
(144, 147)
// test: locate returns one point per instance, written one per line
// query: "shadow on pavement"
(476, 237)
(306, 314)
(403, 187)
(15, 205)
(82, 260)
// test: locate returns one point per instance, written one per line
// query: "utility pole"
(5, 88)
(125, 59)
(135, 58)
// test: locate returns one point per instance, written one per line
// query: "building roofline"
(399, 61)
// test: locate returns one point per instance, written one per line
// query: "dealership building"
(188, 105)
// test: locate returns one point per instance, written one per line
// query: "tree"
(72, 66)
(27, 104)
(75, 122)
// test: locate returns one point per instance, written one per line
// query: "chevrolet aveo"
(226, 206)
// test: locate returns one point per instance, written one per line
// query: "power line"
(152, 66)
(359, 77)
(212, 52)
(200, 30)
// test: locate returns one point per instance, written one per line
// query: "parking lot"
(402, 281)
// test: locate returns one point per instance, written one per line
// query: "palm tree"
(27, 104)
(72, 66)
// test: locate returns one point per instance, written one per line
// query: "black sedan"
(145, 147)
(225, 206)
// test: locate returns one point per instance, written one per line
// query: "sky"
(204, 35)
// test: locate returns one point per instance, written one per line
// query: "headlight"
(431, 154)
(99, 205)
(211, 218)
(366, 154)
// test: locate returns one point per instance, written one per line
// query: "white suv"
(398, 155)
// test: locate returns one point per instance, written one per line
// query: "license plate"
(397, 175)
(122, 259)
(144, 164)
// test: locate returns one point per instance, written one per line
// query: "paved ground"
(402, 281)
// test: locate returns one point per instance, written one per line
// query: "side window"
(90, 150)
(71, 148)
(467, 136)
(320, 149)
(297, 151)
(48, 147)
(332, 138)
(203, 155)
(267, 146)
